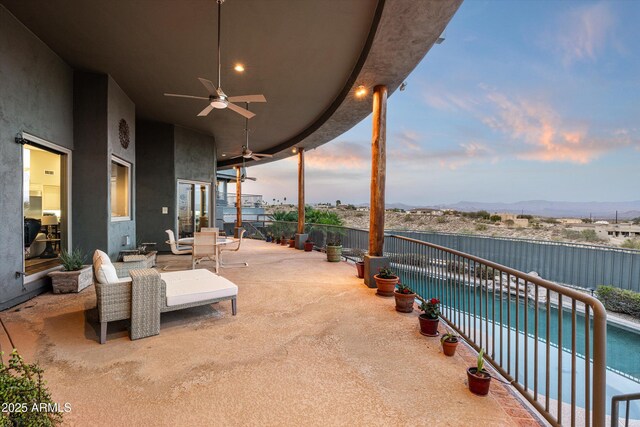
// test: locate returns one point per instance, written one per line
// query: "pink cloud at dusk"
(339, 155)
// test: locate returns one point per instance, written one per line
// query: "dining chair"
(204, 248)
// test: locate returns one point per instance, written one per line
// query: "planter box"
(71, 281)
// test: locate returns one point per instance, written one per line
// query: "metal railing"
(580, 264)
(355, 241)
(530, 328)
(248, 200)
(615, 408)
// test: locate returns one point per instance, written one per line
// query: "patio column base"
(300, 239)
(237, 231)
(371, 266)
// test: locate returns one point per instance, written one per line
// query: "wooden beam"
(378, 171)
(238, 197)
(301, 190)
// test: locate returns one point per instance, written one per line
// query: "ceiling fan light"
(219, 104)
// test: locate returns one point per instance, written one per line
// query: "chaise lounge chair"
(142, 294)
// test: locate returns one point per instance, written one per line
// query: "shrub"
(481, 227)
(571, 234)
(441, 220)
(529, 217)
(509, 223)
(619, 300)
(631, 244)
(495, 218)
(22, 384)
(589, 235)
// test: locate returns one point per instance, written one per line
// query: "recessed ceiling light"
(361, 91)
(239, 68)
(224, 154)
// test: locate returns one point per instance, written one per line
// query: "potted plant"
(405, 298)
(449, 343)
(334, 250)
(386, 282)
(277, 240)
(75, 277)
(308, 245)
(269, 238)
(429, 319)
(479, 379)
(283, 240)
(292, 241)
(359, 253)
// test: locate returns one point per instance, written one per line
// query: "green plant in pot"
(429, 319)
(359, 253)
(334, 246)
(75, 276)
(405, 298)
(283, 240)
(386, 281)
(479, 379)
(292, 241)
(449, 343)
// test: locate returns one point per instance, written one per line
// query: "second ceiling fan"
(217, 98)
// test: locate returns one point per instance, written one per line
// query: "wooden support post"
(238, 197)
(378, 171)
(300, 190)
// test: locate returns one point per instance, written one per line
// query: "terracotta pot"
(360, 269)
(283, 242)
(478, 384)
(386, 287)
(277, 241)
(404, 302)
(428, 327)
(334, 253)
(292, 243)
(308, 246)
(449, 347)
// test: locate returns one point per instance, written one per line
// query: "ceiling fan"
(246, 152)
(217, 98)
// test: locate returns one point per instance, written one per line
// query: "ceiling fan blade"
(263, 155)
(220, 92)
(185, 96)
(251, 178)
(248, 98)
(206, 111)
(209, 85)
(236, 157)
(246, 113)
(256, 158)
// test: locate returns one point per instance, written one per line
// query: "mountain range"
(595, 210)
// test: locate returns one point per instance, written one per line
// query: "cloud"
(547, 136)
(584, 32)
(448, 100)
(339, 155)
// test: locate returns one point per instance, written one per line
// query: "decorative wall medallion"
(123, 127)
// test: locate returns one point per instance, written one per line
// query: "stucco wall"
(156, 182)
(119, 106)
(165, 154)
(36, 96)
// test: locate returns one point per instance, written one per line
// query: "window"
(120, 189)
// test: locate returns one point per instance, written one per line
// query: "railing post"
(238, 228)
(300, 237)
(599, 364)
(375, 259)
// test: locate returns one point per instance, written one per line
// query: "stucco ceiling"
(303, 55)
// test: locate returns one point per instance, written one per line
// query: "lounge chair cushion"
(189, 286)
(106, 274)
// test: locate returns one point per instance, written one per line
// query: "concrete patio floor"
(311, 345)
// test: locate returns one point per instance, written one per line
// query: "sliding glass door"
(193, 207)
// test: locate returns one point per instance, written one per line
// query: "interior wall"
(36, 89)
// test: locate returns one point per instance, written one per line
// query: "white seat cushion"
(189, 286)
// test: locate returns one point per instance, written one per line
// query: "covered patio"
(311, 345)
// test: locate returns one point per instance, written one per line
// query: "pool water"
(623, 346)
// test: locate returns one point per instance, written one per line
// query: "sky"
(524, 100)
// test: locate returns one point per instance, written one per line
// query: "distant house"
(427, 211)
(363, 209)
(617, 230)
(568, 221)
(517, 222)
